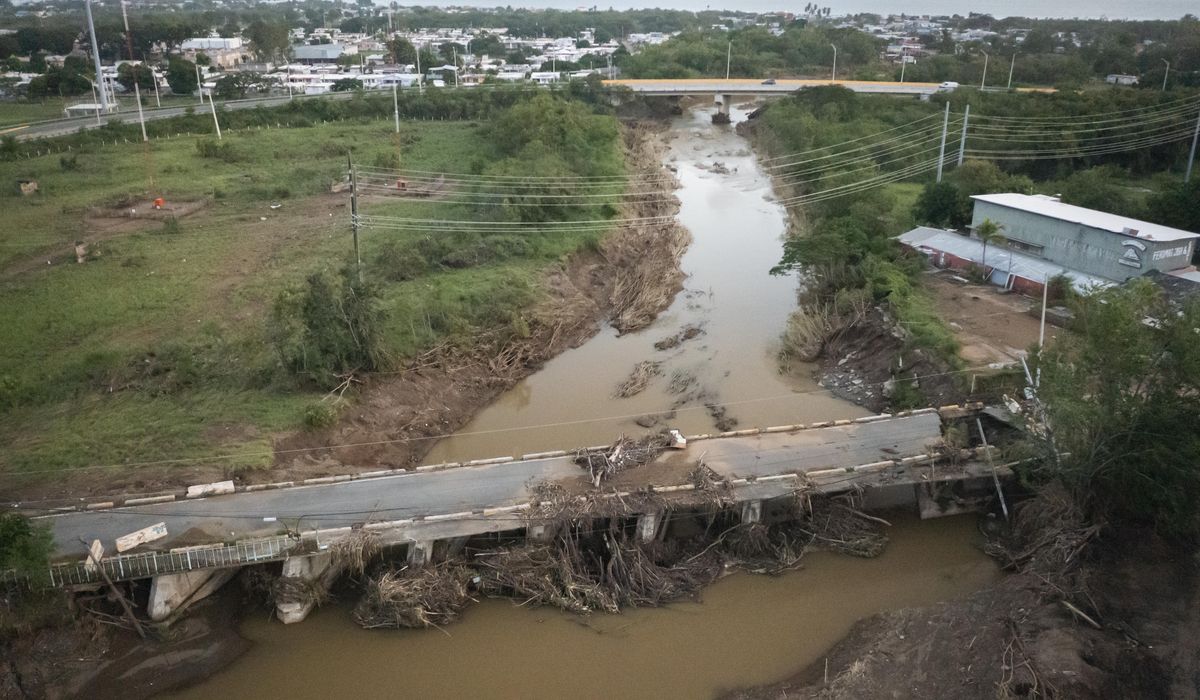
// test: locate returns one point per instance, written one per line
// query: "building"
(321, 53)
(1006, 268)
(1092, 242)
(1119, 79)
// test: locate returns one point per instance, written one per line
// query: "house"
(1092, 242)
(1119, 79)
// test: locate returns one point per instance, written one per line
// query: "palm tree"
(989, 232)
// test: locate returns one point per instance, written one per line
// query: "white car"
(948, 86)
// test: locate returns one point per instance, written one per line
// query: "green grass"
(139, 354)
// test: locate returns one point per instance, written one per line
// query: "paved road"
(474, 488)
(742, 86)
(60, 127)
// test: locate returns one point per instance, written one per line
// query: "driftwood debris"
(625, 453)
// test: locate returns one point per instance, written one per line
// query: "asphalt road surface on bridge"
(460, 489)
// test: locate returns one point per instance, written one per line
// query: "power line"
(375, 443)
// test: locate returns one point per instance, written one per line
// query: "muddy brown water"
(737, 231)
(746, 630)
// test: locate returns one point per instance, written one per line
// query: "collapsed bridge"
(196, 540)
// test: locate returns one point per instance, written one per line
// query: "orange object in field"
(159, 202)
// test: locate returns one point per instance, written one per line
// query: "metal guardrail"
(126, 567)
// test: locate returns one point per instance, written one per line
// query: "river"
(748, 629)
(737, 236)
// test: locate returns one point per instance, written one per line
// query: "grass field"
(156, 347)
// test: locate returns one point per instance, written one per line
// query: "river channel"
(737, 236)
(746, 629)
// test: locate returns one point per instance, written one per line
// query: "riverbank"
(630, 276)
(1016, 638)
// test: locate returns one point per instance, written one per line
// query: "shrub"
(25, 547)
(219, 150)
(321, 414)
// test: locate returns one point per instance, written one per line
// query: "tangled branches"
(429, 597)
(604, 572)
(355, 550)
(625, 453)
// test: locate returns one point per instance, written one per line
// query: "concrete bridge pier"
(420, 553)
(650, 526)
(541, 532)
(752, 512)
(302, 581)
(173, 593)
(723, 103)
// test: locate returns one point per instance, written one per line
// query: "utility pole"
(728, 59)
(396, 107)
(942, 150)
(216, 123)
(962, 143)
(1165, 74)
(454, 54)
(137, 92)
(96, 55)
(420, 78)
(1187, 177)
(199, 84)
(354, 215)
(157, 99)
(903, 64)
(94, 101)
(1011, 65)
(833, 79)
(983, 79)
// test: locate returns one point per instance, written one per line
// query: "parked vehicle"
(948, 86)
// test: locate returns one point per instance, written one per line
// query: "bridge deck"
(468, 489)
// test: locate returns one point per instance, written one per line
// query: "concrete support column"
(172, 593)
(420, 553)
(317, 573)
(454, 547)
(541, 533)
(752, 512)
(722, 114)
(648, 526)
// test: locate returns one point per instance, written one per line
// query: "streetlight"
(903, 63)
(834, 78)
(1168, 72)
(1011, 65)
(728, 58)
(983, 79)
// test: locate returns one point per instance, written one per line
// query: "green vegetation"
(24, 547)
(122, 359)
(1123, 401)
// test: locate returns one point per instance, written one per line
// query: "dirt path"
(993, 327)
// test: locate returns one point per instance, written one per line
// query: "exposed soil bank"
(87, 659)
(627, 282)
(1016, 638)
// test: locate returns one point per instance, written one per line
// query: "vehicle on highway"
(948, 86)
(769, 81)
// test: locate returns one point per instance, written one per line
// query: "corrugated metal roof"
(1051, 207)
(931, 240)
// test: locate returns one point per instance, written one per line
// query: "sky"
(1113, 9)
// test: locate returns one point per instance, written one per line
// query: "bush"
(399, 262)
(321, 414)
(328, 328)
(68, 163)
(220, 150)
(25, 547)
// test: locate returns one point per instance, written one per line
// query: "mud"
(1015, 638)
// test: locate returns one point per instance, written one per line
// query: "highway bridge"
(212, 530)
(743, 87)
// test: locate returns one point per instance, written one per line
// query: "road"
(465, 489)
(748, 86)
(61, 127)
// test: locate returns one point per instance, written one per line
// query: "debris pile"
(641, 375)
(625, 453)
(597, 572)
(428, 597)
